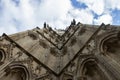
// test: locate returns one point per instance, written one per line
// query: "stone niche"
(91, 71)
(15, 73)
(111, 48)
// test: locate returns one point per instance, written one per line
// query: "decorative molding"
(55, 39)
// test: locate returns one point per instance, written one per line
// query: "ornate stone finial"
(49, 28)
(74, 21)
(78, 23)
(45, 25)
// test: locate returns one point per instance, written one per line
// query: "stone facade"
(81, 52)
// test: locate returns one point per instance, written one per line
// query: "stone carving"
(54, 51)
(43, 44)
(16, 72)
(7, 50)
(33, 35)
(73, 22)
(54, 38)
(73, 41)
(82, 31)
(45, 25)
(64, 51)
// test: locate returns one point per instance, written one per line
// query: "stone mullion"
(109, 65)
(105, 73)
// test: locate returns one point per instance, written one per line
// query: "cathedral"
(79, 52)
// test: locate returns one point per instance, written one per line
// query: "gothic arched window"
(16, 72)
(90, 70)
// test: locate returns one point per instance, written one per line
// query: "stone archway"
(16, 72)
(111, 48)
(2, 56)
(93, 72)
(89, 70)
(108, 54)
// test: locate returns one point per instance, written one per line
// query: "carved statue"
(45, 25)
(73, 22)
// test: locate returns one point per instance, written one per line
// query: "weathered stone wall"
(82, 52)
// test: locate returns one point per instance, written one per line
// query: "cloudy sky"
(21, 15)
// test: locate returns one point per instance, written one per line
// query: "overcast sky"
(21, 15)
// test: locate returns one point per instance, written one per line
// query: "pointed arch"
(2, 56)
(109, 46)
(16, 71)
(89, 70)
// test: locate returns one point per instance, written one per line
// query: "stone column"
(110, 66)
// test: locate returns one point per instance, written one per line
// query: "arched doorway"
(16, 72)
